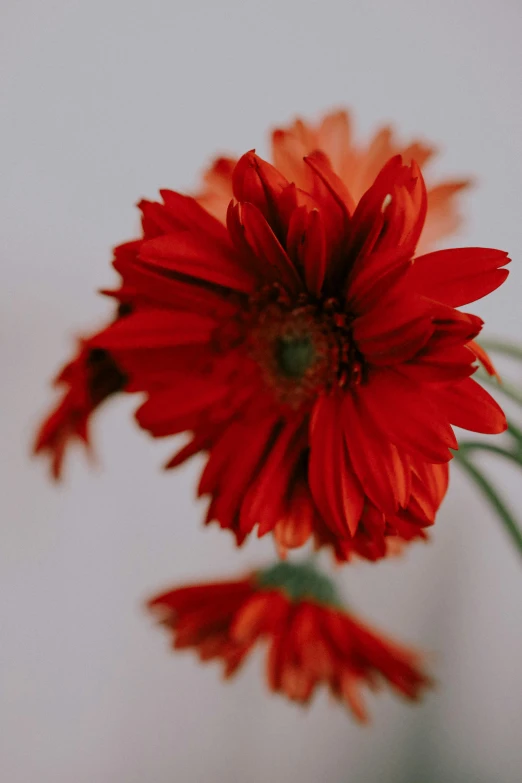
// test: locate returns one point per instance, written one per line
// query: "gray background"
(104, 102)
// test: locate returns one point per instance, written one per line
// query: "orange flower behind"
(356, 165)
(312, 641)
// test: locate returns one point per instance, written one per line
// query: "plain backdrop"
(103, 102)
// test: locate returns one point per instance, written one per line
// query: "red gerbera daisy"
(312, 640)
(318, 364)
(356, 165)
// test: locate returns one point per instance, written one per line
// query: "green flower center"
(294, 355)
(300, 581)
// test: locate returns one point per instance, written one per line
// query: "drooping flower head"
(312, 641)
(318, 360)
(356, 165)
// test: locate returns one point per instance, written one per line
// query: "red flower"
(356, 165)
(318, 365)
(89, 378)
(312, 640)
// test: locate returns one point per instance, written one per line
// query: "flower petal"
(267, 248)
(264, 502)
(146, 283)
(395, 330)
(155, 329)
(307, 244)
(440, 364)
(196, 255)
(468, 405)
(335, 488)
(259, 183)
(484, 359)
(178, 407)
(320, 164)
(459, 276)
(382, 469)
(408, 417)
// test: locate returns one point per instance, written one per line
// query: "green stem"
(498, 346)
(515, 432)
(470, 445)
(495, 500)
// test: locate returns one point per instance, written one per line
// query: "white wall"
(104, 101)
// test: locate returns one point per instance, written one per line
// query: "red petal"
(268, 249)
(258, 616)
(198, 443)
(395, 329)
(384, 472)
(407, 417)
(231, 474)
(429, 486)
(405, 214)
(469, 406)
(160, 286)
(458, 277)
(265, 499)
(335, 206)
(155, 329)
(155, 221)
(335, 489)
(196, 255)
(440, 364)
(176, 408)
(257, 182)
(391, 214)
(381, 271)
(187, 214)
(320, 164)
(451, 326)
(484, 359)
(306, 241)
(193, 597)
(296, 527)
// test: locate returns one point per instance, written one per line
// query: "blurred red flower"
(312, 640)
(89, 378)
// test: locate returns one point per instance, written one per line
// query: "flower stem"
(494, 498)
(507, 349)
(470, 446)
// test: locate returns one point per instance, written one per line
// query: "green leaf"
(493, 497)
(479, 445)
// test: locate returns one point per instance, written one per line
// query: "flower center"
(302, 348)
(300, 581)
(292, 348)
(294, 355)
